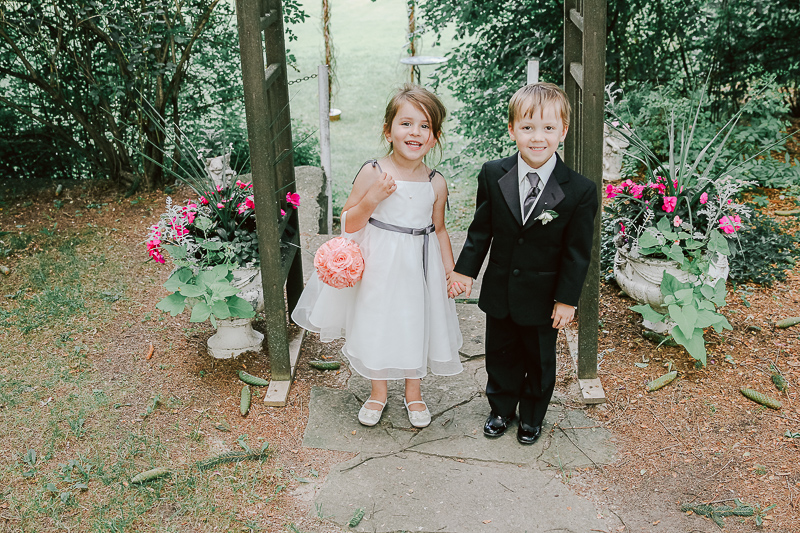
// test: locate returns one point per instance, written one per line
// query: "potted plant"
(213, 246)
(675, 229)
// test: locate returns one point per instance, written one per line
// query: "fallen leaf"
(353, 432)
(486, 521)
(656, 522)
(150, 353)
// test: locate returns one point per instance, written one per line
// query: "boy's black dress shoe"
(528, 434)
(496, 425)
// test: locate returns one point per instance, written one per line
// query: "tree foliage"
(688, 41)
(78, 74)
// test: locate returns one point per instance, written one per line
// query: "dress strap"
(374, 163)
(446, 200)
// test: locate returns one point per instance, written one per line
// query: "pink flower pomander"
(339, 263)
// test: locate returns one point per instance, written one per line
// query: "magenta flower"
(220, 205)
(611, 191)
(670, 202)
(219, 188)
(677, 221)
(203, 200)
(704, 198)
(293, 199)
(729, 224)
(249, 202)
(637, 191)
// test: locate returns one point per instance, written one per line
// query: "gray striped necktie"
(533, 178)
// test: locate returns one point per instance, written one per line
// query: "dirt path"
(696, 441)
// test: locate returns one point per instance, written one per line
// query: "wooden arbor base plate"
(591, 389)
(278, 391)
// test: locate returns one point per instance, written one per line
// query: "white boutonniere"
(547, 216)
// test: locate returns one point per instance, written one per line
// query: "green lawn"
(369, 40)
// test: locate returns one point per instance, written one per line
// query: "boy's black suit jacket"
(531, 266)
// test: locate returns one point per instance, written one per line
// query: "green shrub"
(762, 124)
(768, 251)
(607, 248)
(306, 144)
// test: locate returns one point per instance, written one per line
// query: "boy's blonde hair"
(422, 99)
(536, 96)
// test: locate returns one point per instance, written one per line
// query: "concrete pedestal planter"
(236, 335)
(640, 278)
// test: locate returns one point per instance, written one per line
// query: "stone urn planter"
(236, 335)
(640, 278)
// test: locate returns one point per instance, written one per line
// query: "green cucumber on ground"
(763, 399)
(150, 475)
(325, 365)
(244, 402)
(779, 381)
(253, 380)
(788, 322)
(356, 518)
(661, 381)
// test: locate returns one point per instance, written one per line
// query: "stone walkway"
(448, 477)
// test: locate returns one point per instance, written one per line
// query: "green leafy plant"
(684, 210)
(208, 292)
(768, 251)
(211, 237)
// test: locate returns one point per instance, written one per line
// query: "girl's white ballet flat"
(370, 417)
(418, 419)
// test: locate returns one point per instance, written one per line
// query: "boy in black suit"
(534, 216)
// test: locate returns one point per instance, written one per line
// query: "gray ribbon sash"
(425, 232)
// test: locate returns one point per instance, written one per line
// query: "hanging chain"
(298, 80)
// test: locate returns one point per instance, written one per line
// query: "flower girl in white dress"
(397, 321)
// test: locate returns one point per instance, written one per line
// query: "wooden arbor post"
(266, 97)
(584, 83)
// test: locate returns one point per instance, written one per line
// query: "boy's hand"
(562, 315)
(458, 283)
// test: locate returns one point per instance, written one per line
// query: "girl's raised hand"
(383, 187)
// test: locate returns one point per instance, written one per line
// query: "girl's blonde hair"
(536, 96)
(425, 101)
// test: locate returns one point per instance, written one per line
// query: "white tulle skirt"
(396, 323)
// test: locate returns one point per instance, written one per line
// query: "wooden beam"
(270, 76)
(269, 19)
(576, 19)
(593, 92)
(260, 115)
(576, 71)
(278, 390)
(278, 98)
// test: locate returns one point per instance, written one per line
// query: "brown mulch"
(696, 440)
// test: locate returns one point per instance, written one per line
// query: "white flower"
(547, 216)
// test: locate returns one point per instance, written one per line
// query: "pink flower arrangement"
(339, 263)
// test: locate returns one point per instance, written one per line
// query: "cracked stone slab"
(472, 322)
(413, 492)
(458, 410)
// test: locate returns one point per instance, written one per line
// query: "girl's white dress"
(396, 324)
